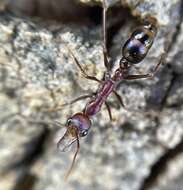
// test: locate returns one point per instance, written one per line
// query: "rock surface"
(145, 8)
(37, 72)
(67, 9)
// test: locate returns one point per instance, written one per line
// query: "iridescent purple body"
(95, 104)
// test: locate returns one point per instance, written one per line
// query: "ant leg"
(151, 74)
(104, 31)
(69, 103)
(82, 70)
(109, 110)
(119, 98)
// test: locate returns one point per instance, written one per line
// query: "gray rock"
(171, 177)
(37, 72)
(175, 95)
(175, 55)
(161, 10)
(173, 122)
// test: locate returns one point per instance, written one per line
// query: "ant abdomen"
(139, 43)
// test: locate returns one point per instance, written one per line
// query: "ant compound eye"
(69, 121)
(84, 133)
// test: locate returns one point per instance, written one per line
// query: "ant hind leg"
(150, 74)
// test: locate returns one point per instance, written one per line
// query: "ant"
(133, 52)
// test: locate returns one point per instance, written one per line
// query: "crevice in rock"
(116, 18)
(173, 42)
(64, 11)
(176, 105)
(169, 47)
(177, 30)
(26, 181)
(118, 15)
(164, 100)
(34, 149)
(160, 166)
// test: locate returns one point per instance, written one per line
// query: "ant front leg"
(150, 74)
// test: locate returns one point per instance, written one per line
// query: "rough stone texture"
(66, 9)
(172, 176)
(161, 10)
(37, 72)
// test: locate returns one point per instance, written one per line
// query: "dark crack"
(34, 150)
(164, 100)
(177, 29)
(25, 181)
(160, 166)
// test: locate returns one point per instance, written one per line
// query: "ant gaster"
(133, 52)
